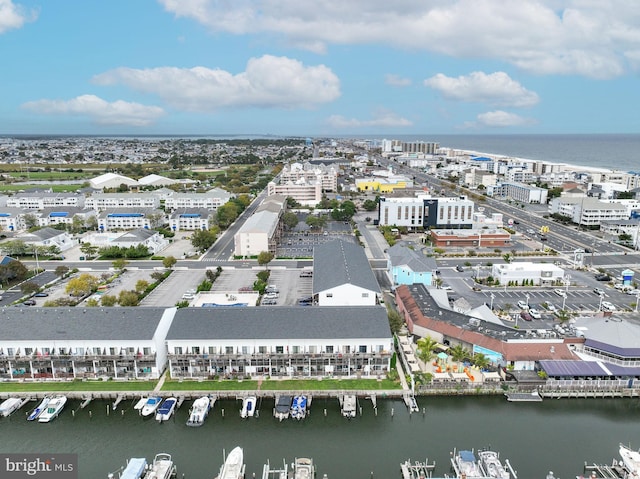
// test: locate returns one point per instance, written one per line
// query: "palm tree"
(563, 316)
(459, 353)
(426, 348)
(481, 361)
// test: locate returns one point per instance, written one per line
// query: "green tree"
(29, 287)
(290, 220)
(563, 316)
(169, 262)
(89, 250)
(395, 320)
(264, 258)
(459, 353)
(30, 221)
(141, 285)
(82, 285)
(481, 361)
(369, 205)
(108, 300)
(426, 348)
(202, 240)
(61, 271)
(120, 263)
(227, 214)
(128, 298)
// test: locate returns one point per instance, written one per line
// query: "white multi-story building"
(588, 212)
(522, 192)
(424, 211)
(104, 201)
(12, 219)
(41, 200)
(210, 200)
(129, 220)
(305, 193)
(191, 219)
(262, 230)
(327, 175)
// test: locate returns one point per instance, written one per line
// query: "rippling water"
(557, 435)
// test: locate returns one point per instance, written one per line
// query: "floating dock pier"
(417, 469)
(533, 396)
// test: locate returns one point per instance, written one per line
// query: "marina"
(165, 410)
(233, 466)
(299, 407)
(248, 406)
(348, 405)
(53, 409)
(200, 410)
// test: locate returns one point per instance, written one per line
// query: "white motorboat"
(54, 408)
(233, 467)
(465, 465)
(248, 406)
(199, 411)
(349, 404)
(39, 408)
(166, 409)
(150, 406)
(161, 468)
(303, 468)
(630, 459)
(9, 406)
(134, 469)
(493, 468)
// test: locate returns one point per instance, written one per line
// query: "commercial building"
(541, 274)
(425, 211)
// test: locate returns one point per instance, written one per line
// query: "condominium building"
(424, 211)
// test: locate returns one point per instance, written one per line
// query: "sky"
(321, 68)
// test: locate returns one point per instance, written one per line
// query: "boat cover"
(134, 469)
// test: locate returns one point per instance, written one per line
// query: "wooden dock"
(417, 469)
(524, 397)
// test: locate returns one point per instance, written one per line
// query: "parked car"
(526, 316)
(459, 269)
(607, 306)
(560, 292)
(551, 307)
(41, 295)
(598, 291)
(535, 314)
(29, 302)
(633, 292)
(523, 305)
(602, 277)
(618, 285)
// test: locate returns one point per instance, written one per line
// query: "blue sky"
(296, 67)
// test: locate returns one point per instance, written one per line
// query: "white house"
(153, 240)
(48, 237)
(342, 275)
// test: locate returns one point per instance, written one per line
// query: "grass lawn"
(68, 386)
(284, 385)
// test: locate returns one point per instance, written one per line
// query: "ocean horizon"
(610, 151)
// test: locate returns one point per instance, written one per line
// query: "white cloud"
(381, 118)
(582, 37)
(13, 16)
(100, 111)
(267, 82)
(396, 80)
(495, 89)
(499, 119)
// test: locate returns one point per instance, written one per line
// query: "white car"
(560, 292)
(551, 307)
(535, 314)
(618, 285)
(633, 292)
(522, 305)
(607, 306)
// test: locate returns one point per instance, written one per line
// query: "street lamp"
(600, 304)
(637, 299)
(567, 281)
(493, 296)
(527, 296)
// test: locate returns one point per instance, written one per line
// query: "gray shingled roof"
(402, 255)
(41, 234)
(295, 322)
(336, 263)
(56, 324)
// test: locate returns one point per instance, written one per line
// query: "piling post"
(392, 411)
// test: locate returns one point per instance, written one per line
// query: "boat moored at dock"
(303, 468)
(283, 407)
(233, 466)
(248, 406)
(630, 460)
(493, 468)
(199, 411)
(485, 464)
(134, 469)
(299, 407)
(54, 408)
(38, 409)
(348, 404)
(166, 409)
(150, 406)
(465, 465)
(9, 406)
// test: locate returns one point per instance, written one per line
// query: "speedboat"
(150, 406)
(299, 407)
(199, 411)
(54, 408)
(248, 406)
(493, 468)
(349, 402)
(233, 467)
(303, 468)
(630, 459)
(134, 469)
(166, 409)
(283, 407)
(38, 410)
(9, 406)
(465, 465)
(161, 468)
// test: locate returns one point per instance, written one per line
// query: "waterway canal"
(557, 435)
